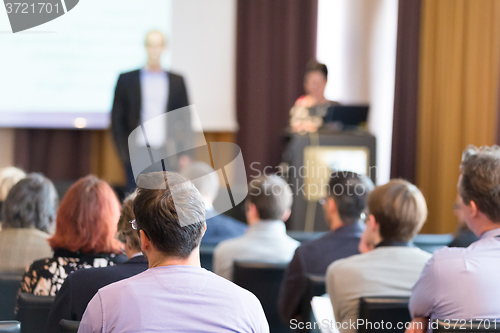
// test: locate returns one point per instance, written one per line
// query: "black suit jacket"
(80, 286)
(126, 111)
(314, 257)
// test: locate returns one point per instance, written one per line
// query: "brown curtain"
(458, 96)
(404, 133)
(275, 40)
(61, 155)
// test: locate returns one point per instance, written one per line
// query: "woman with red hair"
(86, 225)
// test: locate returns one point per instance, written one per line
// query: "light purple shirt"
(461, 283)
(174, 299)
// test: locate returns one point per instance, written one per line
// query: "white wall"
(204, 51)
(357, 41)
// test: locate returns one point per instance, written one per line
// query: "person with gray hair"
(9, 176)
(175, 294)
(219, 227)
(268, 206)
(460, 284)
(29, 213)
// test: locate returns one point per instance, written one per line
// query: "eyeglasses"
(133, 223)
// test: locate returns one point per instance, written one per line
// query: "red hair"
(87, 218)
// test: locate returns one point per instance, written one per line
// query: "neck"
(335, 223)
(154, 66)
(487, 227)
(158, 260)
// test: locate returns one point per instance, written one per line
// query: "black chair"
(33, 312)
(391, 310)
(206, 256)
(263, 280)
(9, 286)
(69, 326)
(485, 325)
(315, 287)
(10, 326)
(431, 242)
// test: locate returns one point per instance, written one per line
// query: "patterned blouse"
(46, 276)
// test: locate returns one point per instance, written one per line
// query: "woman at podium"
(309, 110)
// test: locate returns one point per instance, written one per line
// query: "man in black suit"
(78, 289)
(343, 208)
(219, 226)
(144, 94)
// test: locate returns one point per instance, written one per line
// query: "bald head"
(155, 45)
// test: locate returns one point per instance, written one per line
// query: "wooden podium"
(311, 158)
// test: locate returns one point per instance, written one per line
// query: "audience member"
(219, 227)
(267, 206)
(29, 213)
(464, 236)
(461, 283)
(80, 286)
(397, 213)
(9, 176)
(175, 294)
(343, 207)
(86, 224)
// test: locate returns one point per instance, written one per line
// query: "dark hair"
(350, 192)
(170, 211)
(125, 232)
(480, 179)
(399, 208)
(313, 66)
(271, 195)
(31, 203)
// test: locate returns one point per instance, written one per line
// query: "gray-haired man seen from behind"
(461, 284)
(175, 294)
(219, 226)
(267, 207)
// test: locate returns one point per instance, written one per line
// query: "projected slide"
(62, 74)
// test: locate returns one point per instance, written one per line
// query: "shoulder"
(314, 244)
(229, 245)
(449, 254)
(349, 263)
(133, 73)
(175, 76)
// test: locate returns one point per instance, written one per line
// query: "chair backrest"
(304, 236)
(263, 280)
(315, 286)
(465, 326)
(10, 326)
(33, 312)
(9, 286)
(206, 256)
(69, 326)
(431, 242)
(391, 310)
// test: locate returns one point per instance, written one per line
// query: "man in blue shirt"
(462, 283)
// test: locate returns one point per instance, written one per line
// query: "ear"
(474, 211)
(286, 215)
(372, 224)
(145, 242)
(331, 206)
(252, 211)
